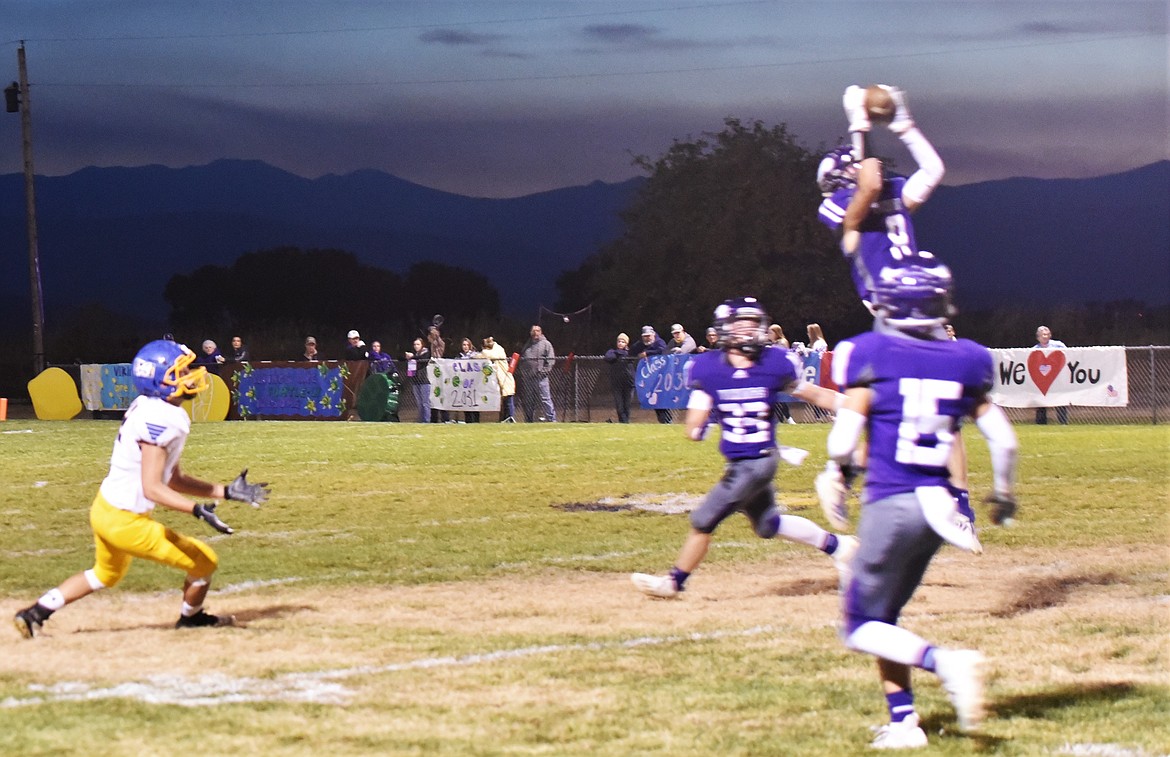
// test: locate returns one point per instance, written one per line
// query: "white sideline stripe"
(1101, 750)
(316, 687)
(250, 585)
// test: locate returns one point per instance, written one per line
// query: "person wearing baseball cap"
(310, 352)
(356, 349)
(681, 343)
(712, 342)
(651, 345)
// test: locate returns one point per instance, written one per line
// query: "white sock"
(888, 642)
(188, 610)
(803, 530)
(53, 600)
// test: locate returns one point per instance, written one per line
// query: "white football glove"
(902, 121)
(833, 495)
(854, 102)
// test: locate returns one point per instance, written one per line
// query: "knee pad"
(704, 522)
(768, 524)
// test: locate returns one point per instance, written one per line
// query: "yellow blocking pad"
(54, 395)
(212, 404)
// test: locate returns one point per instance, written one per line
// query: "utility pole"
(21, 99)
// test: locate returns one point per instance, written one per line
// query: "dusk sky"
(499, 99)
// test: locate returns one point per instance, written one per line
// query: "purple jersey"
(743, 398)
(887, 233)
(921, 391)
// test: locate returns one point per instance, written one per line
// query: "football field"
(464, 590)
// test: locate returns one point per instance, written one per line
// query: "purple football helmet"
(837, 170)
(742, 324)
(913, 298)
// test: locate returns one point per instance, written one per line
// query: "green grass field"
(464, 590)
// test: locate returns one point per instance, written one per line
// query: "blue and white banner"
(660, 381)
(468, 385)
(107, 386)
(1054, 377)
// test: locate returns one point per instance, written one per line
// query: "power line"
(402, 27)
(594, 74)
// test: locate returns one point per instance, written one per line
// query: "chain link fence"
(581, 393)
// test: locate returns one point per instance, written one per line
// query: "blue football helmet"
(742, 324)
(837, 170)
(913, 298)
(162, 369)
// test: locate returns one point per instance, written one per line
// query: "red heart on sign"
(1044, 368)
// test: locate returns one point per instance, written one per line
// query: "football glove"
(1003, 509)
(854, 102)
(833, 493)
(207, 513)
(902, 121)
(241, 491)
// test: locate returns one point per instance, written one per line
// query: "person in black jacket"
(651, 345)
(621, 377)
(356, 349)
(416, 375)
(238, 353)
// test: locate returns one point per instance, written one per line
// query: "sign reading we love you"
(1094, 376)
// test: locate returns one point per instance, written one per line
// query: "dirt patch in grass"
(114, 637)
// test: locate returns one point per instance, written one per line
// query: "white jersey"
(152, 420)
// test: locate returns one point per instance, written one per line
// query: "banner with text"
(296, 390)
(660, 382)
(468, 385)
(1033, 377)
(107, 386)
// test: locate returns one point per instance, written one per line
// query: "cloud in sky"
(504, 98)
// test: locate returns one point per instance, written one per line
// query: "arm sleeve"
(1002, 443)
(845, 435)
(930, 171)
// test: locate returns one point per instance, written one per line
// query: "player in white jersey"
(144, 473)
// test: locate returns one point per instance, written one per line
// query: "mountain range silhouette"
(116, 235)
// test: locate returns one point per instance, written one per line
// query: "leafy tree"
(452, 291)
(278, 296)
(725, 215)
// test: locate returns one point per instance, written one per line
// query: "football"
(879, 105)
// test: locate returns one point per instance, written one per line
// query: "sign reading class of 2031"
(468, 385)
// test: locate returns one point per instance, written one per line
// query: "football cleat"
(203, 619)
(902, 735)
(961, 673)
(661, 587)
(28, 622)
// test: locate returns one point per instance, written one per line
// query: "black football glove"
(1003, 509)
(207, 513)
(241, 491)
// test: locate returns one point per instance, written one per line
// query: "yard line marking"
(319, 687)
